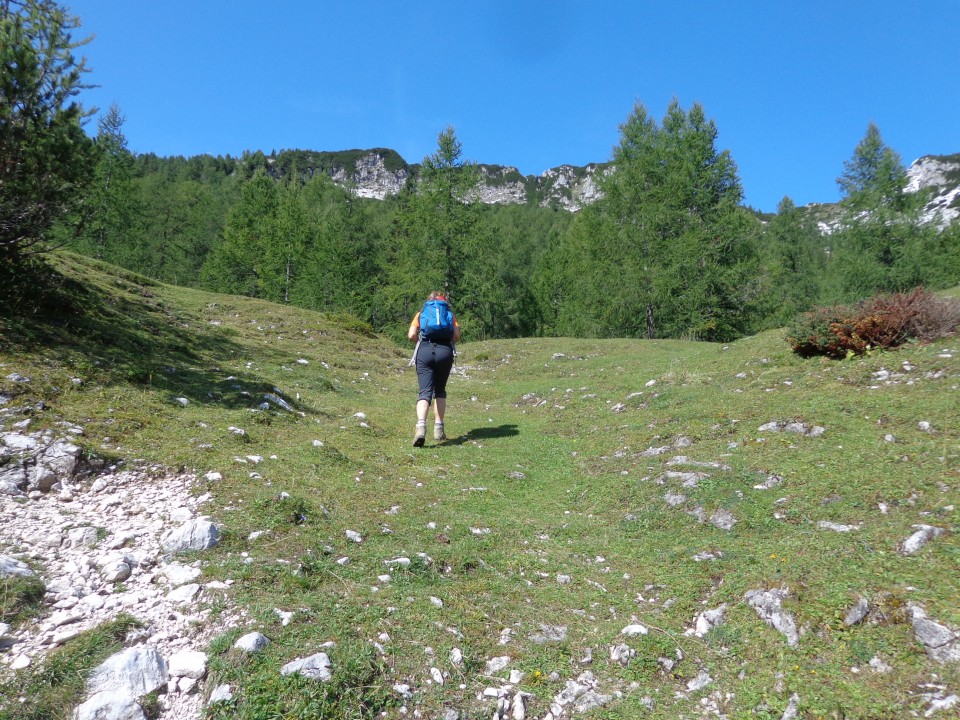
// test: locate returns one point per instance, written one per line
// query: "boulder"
(135, 671)
(197, 534)
(11, 567)
(13, 479)
(109, 705)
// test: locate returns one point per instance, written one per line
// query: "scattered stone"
(723, 519)
(767, 603)
(923, 535)
(700, 681)
(836, 527)
(709, 619)
(707, 555)
(939, 704)
(940, 642)
(674, 499)
(495, 665)
(189, 664)
(550, 634)
(622, 654)
(793, 708)
(315, 667)
(856, 614)
(278, 401)
(879, 666)
(252, 642)
(178, 574)
(11, 567)
(221, 693)
(634, 630)
(770, 482)
(198, 534)
(798, 428)
(654, 451)
(183, 594)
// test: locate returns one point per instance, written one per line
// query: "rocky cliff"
(379, 173)
(941, 173)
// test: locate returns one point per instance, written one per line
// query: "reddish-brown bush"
(883, 321)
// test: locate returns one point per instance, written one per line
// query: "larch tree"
(46, 159)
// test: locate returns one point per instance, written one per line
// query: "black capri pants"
(433, 369)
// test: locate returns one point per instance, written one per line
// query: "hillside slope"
(615, 529)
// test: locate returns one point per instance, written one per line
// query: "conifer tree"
(46, 160)
(667, 251)
(437, 221)
(882, 240)
(111, 208)
(237, 264)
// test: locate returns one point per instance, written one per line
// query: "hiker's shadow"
(485, 433)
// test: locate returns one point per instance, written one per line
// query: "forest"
(667, 251)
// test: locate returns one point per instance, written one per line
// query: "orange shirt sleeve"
(414, 330)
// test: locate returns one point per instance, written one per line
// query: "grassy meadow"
(545, 508)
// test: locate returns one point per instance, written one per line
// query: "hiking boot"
(419, 435)
(438, 433)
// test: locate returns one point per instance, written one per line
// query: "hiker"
(435, 330)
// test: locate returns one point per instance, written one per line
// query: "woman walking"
(435, 330)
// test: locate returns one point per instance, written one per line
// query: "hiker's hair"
(435, 294)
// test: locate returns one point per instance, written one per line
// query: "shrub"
(883, 321)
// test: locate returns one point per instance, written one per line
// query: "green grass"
(541, 477)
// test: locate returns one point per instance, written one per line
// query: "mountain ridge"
(381, 172)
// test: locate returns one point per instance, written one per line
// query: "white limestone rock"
(315, 667)
(940, 642)
(252, 642)
(11, 567)
(768, 604)
(923, 535)
(109, 705)
(709, 619)
(197, 534)
(188, 663)
(135, 671)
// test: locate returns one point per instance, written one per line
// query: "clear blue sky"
(534, 84)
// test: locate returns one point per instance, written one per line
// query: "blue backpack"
(436, 322)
